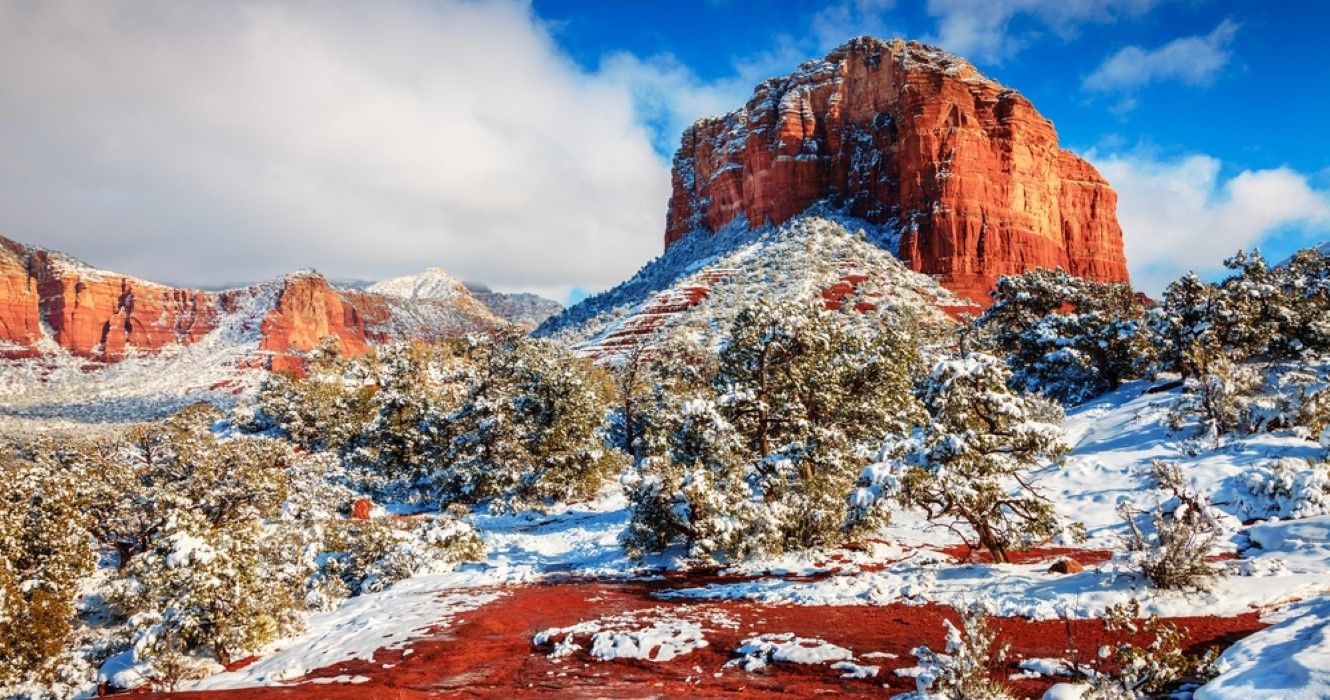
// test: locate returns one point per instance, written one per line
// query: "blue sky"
(1158, 93)
(526, 144)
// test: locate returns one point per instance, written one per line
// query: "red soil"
(965, 553)
(488, 652)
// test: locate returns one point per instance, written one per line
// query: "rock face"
(970, 173)
(48, 300)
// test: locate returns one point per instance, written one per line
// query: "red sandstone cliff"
(971, 173)
(47, 298)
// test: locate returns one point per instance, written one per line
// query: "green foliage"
(1145, 671)
(1065, 336)
(530, 428)
(1257, 313)
(44, 552)
(205, 593)
(132, 484)
(369, 555)
(326, 410)
(971, 462)
(755, 450)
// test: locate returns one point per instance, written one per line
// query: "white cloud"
(1182, 214)
(210, 143)
(1194, 60)
(982, 29)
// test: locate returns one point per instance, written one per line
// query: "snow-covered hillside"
(708, 627)
(60, 390)
(703, 280)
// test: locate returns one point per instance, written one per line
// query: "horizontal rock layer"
(48, 300)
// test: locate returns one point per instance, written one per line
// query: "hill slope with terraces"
(703, 282)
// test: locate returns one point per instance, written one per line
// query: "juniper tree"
(44, 553)
(132, 484)
(205, 593)
(773, 440)
(971, 463)
(325, 410)
(1066, 336)
(530, 428)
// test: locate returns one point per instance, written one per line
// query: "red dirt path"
(488, 652)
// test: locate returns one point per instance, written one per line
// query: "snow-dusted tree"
(45, 551)
(767, 449)
(1260, 312)
(530, 430)
(410, 394)
(1306, 285)
(693, 488)
(204, 594)
(325, 410)
(971, 464)
(1216, 394)
(133, 484)
(633, 380)
(1065, 336)
(1183, 324)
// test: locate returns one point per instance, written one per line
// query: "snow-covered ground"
(1282, 569)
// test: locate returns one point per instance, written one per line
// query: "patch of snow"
(655, 634)
(1289, 660)
(764, 649)
(362, 625)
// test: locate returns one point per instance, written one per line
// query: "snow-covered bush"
(1287, 488)
(1068, 337)
(530, 430)
(1218, 395)
(203, 595)
(758, 452)
(1172, 553)
(325, 410)
(45, 551)
(369, 555)
(1126, 671)
(971, 462)
(697, 491)
(134, 483)
(965, 670)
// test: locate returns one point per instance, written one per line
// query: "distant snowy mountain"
(704, 280)
(526, 310)
(433, 283)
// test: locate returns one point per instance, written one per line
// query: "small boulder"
(1066, 565)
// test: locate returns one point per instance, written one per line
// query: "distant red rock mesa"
(49, 299)
(897, 130)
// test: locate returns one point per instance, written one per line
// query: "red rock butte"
(901, 132)
(48, 298)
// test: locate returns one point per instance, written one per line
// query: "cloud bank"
(214, 143)
(1194, 60)
(1183, 214)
